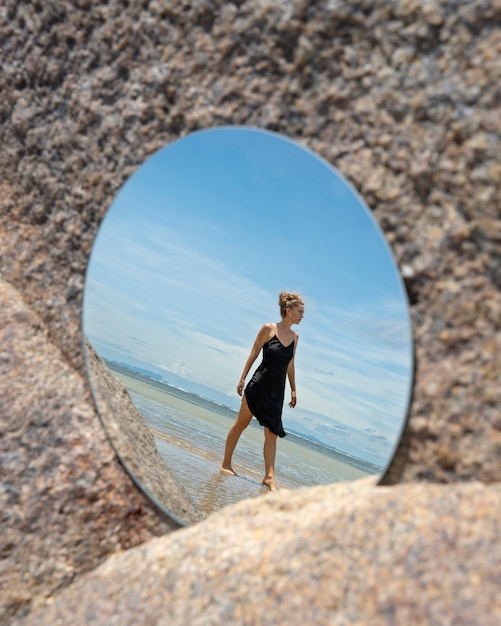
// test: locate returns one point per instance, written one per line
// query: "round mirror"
(188, 265)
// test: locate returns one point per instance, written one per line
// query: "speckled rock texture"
(64, 503)
(403, 97)
(435, 562)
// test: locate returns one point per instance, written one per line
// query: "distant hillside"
(156, 381)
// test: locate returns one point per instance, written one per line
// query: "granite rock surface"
(65, 504)
(342, 554)
(403, 98)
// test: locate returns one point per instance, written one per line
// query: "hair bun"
(286, 299)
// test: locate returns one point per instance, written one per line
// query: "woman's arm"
(292, 381)
(262, 337)
(291, 374)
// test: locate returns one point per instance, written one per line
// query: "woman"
(264, 395)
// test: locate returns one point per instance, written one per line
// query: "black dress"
(265, 391)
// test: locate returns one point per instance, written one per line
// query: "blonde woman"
(263, 396)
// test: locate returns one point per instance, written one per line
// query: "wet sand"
(190, 437)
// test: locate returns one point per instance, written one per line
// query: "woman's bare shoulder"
(265, 333)
(268, 330)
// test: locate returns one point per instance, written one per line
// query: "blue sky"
(194, 250)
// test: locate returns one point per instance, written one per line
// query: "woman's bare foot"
(270, 483)
(228, 470)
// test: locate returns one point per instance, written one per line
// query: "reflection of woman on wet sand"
(264, 394)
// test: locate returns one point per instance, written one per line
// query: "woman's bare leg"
(243, 419)
(269, 452)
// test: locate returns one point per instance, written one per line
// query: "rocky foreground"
(403, 97)
(345, 554)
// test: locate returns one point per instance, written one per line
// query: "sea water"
(190, 434)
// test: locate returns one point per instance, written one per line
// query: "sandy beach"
(190, 437)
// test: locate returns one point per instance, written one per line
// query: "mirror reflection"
(188, 265)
